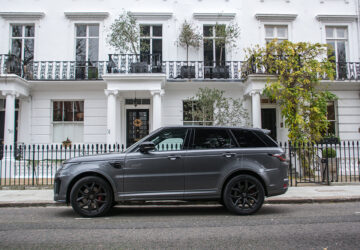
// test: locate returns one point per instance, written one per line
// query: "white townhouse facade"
(68, 82)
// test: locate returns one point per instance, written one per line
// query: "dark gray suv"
(237, 167)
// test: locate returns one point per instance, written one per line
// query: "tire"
(91, 196)
(243, 195)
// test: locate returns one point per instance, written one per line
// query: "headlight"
(66, 166)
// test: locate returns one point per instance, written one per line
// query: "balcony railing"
(132, 64)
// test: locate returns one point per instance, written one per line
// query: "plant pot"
(187, 72)
(13, 65)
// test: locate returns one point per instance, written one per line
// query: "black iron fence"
(323, 163)
(308, 163)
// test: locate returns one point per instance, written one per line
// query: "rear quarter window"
(250, 139)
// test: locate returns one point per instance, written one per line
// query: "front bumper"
(60, 188)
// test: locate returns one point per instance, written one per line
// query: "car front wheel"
(91, 196)
(244, 195)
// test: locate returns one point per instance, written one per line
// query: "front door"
(137, 125)
(268, 121)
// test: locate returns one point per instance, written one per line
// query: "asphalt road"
(308, 226)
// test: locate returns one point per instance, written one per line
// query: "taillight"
(281, 157)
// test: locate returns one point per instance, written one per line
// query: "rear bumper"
(279, 190)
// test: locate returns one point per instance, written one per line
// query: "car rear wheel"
(244, 195)
(91, 196)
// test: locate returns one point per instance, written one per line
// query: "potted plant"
(188, 37)
(67, 143)
(124, 37)
(329, 163)
(13, 64)
(226, 35)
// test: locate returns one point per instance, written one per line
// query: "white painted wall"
(55, 40)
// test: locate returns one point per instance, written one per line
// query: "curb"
(184, 203)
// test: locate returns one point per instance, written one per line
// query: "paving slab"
(308, 194)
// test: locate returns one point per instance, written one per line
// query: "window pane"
(329, 32)
(220, 30)
(170, 139)
(212, 139)
(157, 46)
(81, 50)
(269, 31)
(16, 30)
(68, 111)
(29, 50)
(220, 53)
(208, 31)
(247, 139)
(16, 47)
(74, 132)
(93, 49)
(81, 30)
(29, 31)
(267, 139)
(94, 30)
(331, 111)
(57, 111)
(144, 30)
(144, 46)
(208, 52)
(341, 51)
(341, 32)
(157, 30)
(282, 32)
(79, 111)
(187, 107)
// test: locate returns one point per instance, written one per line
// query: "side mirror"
(147, 146)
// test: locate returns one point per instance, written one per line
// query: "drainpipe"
(358, 26)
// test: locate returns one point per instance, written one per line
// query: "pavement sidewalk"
(308, 194)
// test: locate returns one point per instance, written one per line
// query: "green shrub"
(328, 153)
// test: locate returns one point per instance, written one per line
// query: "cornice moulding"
(336, 18)
(275, 17)
(22, 15)
(86, 15)
(152, 15)
(214, 16)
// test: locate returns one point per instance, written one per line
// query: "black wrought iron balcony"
(134, 64)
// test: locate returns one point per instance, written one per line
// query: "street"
(306, 226)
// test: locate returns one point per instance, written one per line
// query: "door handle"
(229, 155)
(173, 157)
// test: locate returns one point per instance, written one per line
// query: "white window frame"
(336, 39)
(151, 37)
(342, 21)
(66, 122)
(22, 37)
(213, 38)
(87, 38)
(275, 35)
(194, 122)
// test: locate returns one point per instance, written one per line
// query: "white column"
(156, 104)
(111, 116)
(256, 109)
(9, 133)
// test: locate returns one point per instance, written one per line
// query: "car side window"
(169, 139)
(247, 139)
(212, 139)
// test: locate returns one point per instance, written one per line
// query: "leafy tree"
(226, 35)
(124, 34)
(189, 37)
(211, 105)
(299, 68)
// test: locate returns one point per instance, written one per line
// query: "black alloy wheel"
(91, 196)
(244, 195)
